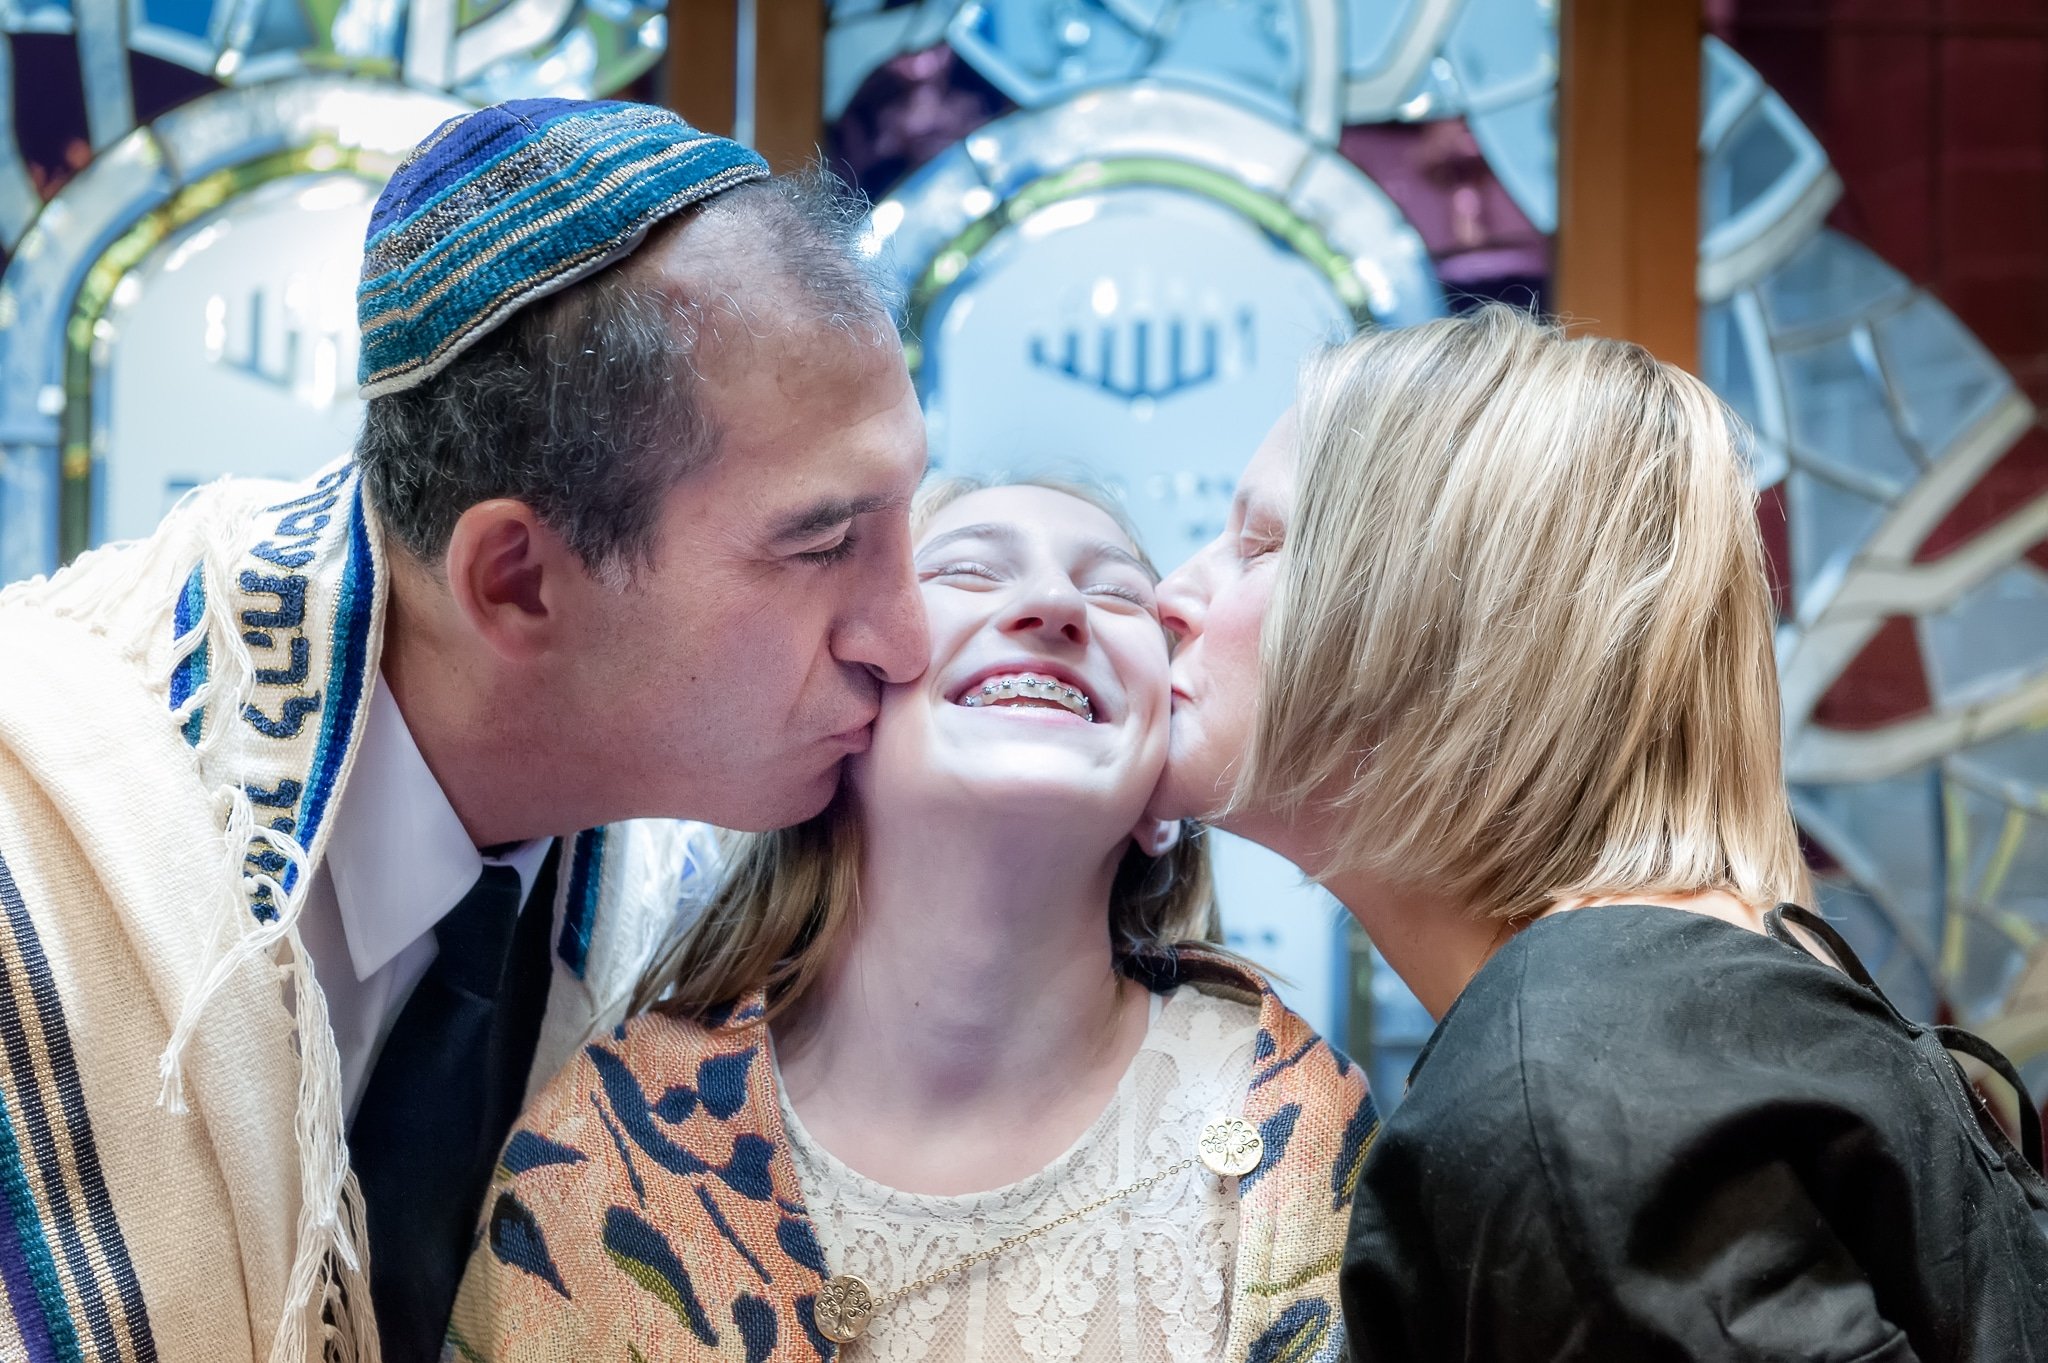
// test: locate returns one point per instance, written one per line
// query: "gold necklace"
(1230, 1146)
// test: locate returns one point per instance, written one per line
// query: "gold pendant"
(844, 1308)
(1231, 1147)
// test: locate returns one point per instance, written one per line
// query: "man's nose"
(905, 646)
(888, 634)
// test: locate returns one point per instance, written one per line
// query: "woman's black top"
(1644, 1134)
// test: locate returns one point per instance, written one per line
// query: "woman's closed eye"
(1258, 541)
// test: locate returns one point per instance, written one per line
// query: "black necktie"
(445, 1091)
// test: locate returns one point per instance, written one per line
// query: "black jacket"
(1643, 1134)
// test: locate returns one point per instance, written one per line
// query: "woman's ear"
(1156, 837)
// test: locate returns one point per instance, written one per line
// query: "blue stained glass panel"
(1979, 982)
(1370, 28)
(1829, 524)
(1401, 1027)
(1504, 54)
(1502, 50)
(1993, 638)
(2025, 888)
(1908, 982)
(1943, 377)
(1726, 364)
(28, 511)
(1901, 970)
(36, 16)
(1888, 834)
(1248, 51)
(1840, 419)
(1520, 142)
(1753, 160)
(1724, 360)
(1870, 930)
(1732, 347)
(282, 28)
(1831, 280)
(2035, 1073)
(1033, 50)
(2017, 765)
(1725, 81)
(191, 17)
(1142, 15)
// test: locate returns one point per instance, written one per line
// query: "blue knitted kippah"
(502, 206)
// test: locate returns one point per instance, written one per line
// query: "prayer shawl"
(647, 1207)
(178, 720)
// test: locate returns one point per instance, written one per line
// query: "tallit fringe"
(329, 1271)
(122, 570)
(327, 1288)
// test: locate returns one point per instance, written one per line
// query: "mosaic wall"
(1405, 153)
(1119, 223)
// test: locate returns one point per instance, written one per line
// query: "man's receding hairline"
(732, 265)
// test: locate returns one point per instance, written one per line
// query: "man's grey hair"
(587, 406)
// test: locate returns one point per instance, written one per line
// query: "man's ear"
(508, 575)
(1156, 837)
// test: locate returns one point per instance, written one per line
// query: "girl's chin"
(1011, 802)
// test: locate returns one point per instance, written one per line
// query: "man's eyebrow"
(818, 518)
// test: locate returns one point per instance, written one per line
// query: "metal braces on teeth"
(1012, 687)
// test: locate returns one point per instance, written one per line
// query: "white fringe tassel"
(329, 1268)
(328, 1286)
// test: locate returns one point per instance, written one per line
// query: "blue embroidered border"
(345, 674)
(35, 1294)
(586, 867)
(111, 1298)
(190, 673)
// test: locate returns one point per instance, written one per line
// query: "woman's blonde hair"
(786, 896)
(1522, 643)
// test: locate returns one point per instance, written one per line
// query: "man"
(290, 792)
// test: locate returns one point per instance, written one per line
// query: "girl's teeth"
(1036, 688)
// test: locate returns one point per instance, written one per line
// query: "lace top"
(1143, 1280)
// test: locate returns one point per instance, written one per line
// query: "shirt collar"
(399, 855)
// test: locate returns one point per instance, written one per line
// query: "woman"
(1486, 648)
(948, 1073)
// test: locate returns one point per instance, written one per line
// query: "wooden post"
(699, 73)
(1629, 174)
(789, 81)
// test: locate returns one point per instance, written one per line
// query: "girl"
(951, 1072)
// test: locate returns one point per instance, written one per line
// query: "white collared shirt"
(397, 861)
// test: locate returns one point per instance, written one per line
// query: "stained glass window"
(991, 133)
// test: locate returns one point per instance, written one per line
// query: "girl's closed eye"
(962, 568)
(1138, 598)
